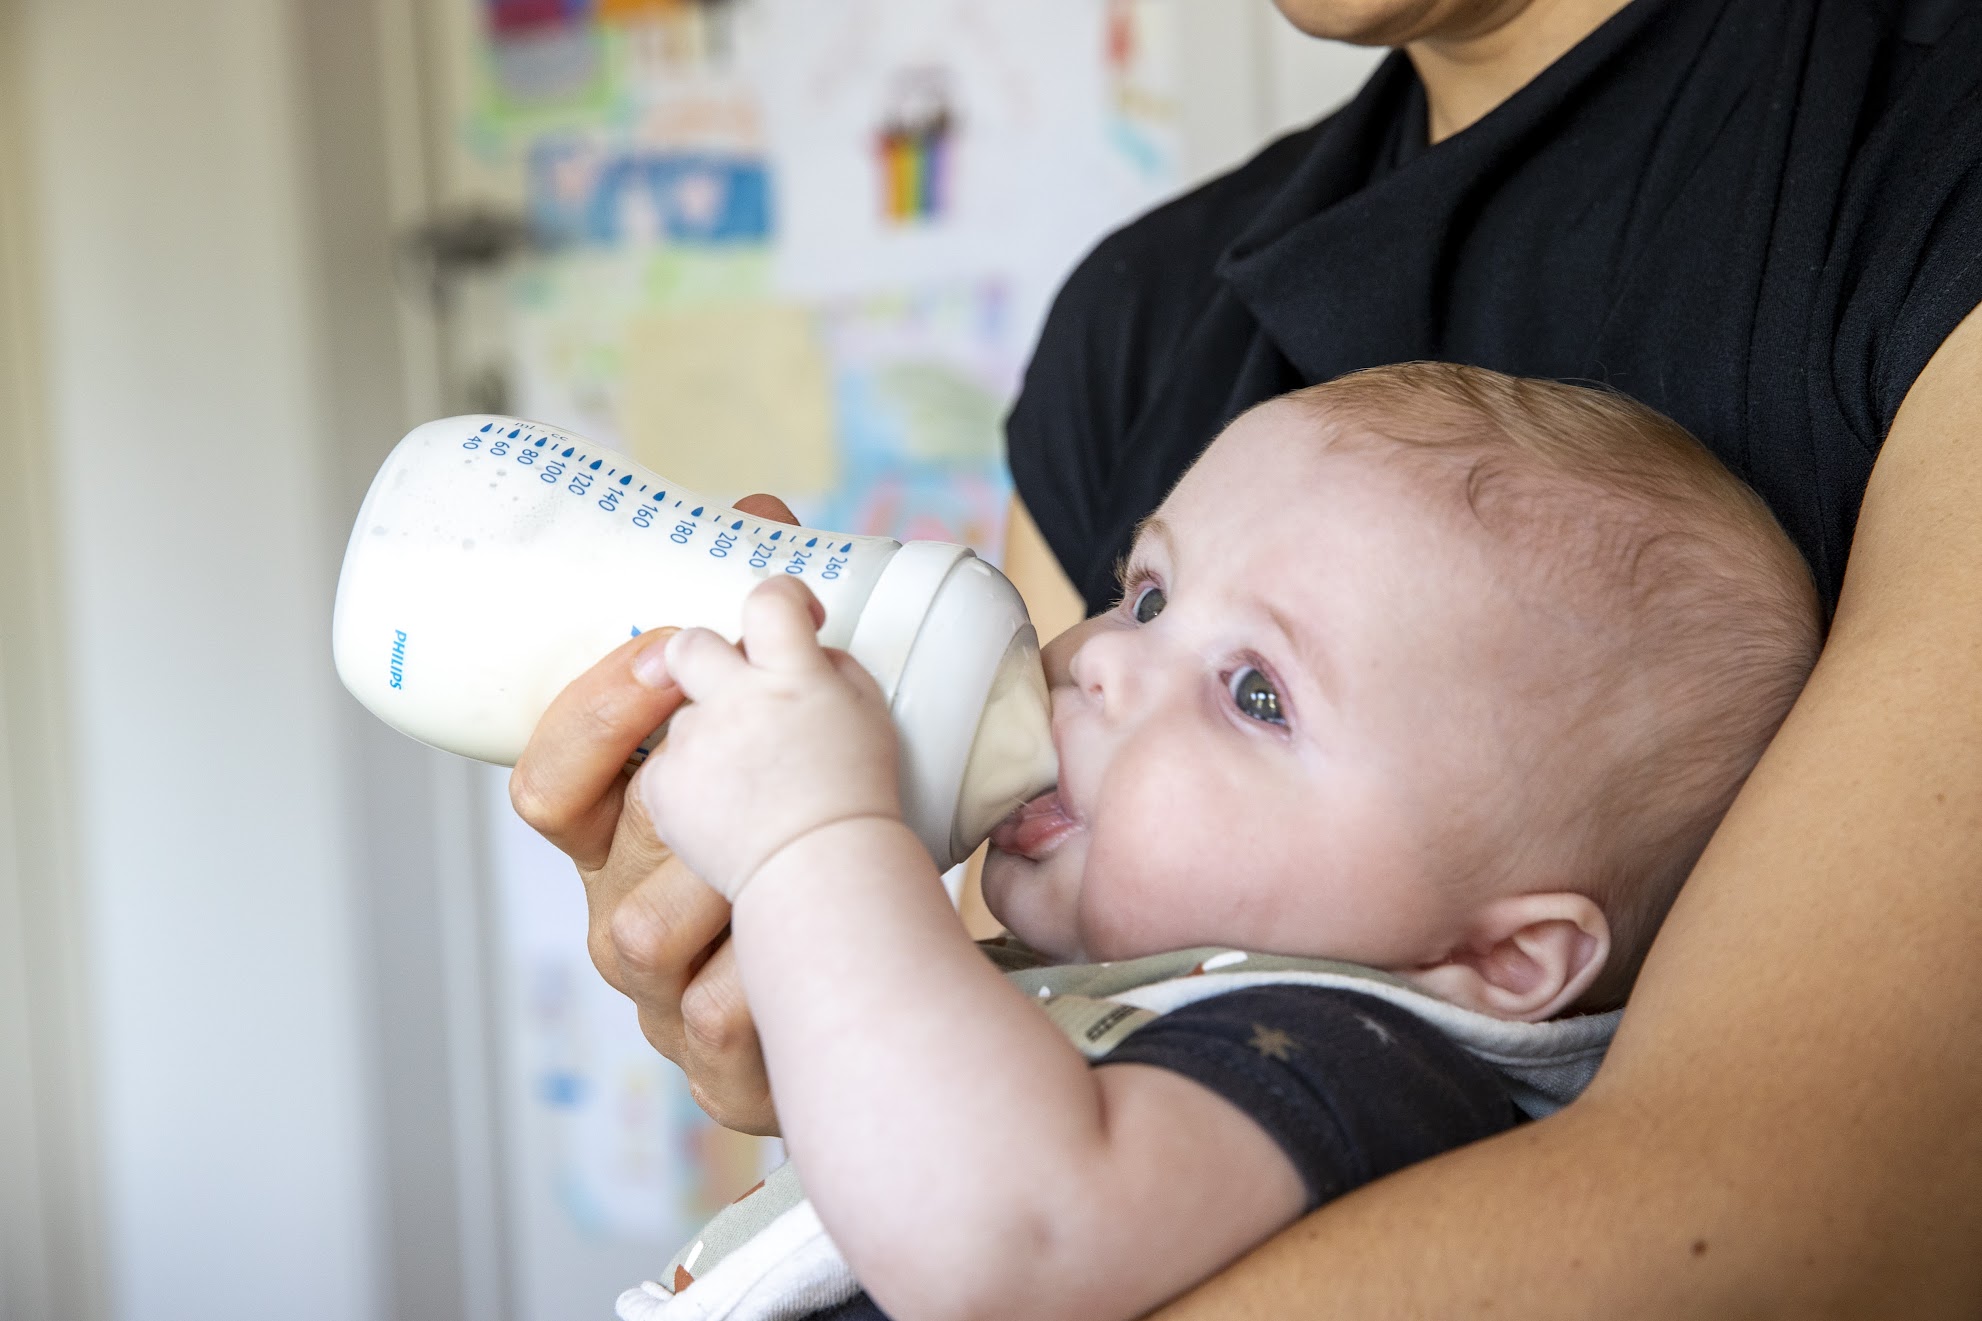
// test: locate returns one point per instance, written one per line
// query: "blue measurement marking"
(567, 453)
(776, 535)
(664, 495)
(695, 512)
(487, 427)
(636, 630)
(598, 464)
(538, 442)
(810, 544)
(736, 525)
(643, 487)
(755, 531)
(514, 434)
(846, 548)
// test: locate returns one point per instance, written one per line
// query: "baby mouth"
(1036, 828)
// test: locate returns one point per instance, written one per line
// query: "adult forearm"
(1593, 1214)
(1802, 1150)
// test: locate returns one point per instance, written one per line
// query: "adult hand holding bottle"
(656, 933)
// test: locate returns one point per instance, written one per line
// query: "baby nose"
(1106, 670)
(1057, 656)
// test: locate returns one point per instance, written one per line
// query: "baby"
(1430, 671)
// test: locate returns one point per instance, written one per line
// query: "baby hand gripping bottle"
(494, 560)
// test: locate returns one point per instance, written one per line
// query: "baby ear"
(1526, 957)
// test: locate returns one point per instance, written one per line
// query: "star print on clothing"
(1272, 1043)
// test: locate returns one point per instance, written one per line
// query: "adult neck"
(1467, 72)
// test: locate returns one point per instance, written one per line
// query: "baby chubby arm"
(963, 1154)
(965, 1157)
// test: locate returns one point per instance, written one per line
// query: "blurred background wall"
(266, 997)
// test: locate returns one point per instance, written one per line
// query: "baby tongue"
(1034, 828)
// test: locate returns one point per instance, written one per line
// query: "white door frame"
(367, 146)
(51, 1245)
(370, 132)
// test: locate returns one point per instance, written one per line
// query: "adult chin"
(1360, 22)
(1398, 22)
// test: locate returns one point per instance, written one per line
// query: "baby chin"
(1032, 875)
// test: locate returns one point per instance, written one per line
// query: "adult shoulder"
(1907, 264)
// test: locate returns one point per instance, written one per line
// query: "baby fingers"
(701, 663)
(781, 620)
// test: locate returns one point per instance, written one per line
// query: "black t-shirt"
(1351, 1087)
(1760, 217)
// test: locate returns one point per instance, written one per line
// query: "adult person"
(1764, 219)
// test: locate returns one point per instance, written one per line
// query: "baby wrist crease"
(809, 833)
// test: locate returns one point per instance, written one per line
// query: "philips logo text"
(399, 658)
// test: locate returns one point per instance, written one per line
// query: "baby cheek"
(1160, 860)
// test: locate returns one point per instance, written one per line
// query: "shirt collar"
(1344, 267)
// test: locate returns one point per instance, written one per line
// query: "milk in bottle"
(494, 560)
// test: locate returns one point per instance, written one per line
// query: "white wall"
(1307, 78)
(197, 570)
(1251, 76)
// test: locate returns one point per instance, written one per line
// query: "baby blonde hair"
(1702, 618)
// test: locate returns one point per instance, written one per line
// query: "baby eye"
(1149, 604)
(1255, 696)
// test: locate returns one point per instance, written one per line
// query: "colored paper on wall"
(729, 399)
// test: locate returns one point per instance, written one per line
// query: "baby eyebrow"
(1151, 526)
(1315, 661)
(1154, 528)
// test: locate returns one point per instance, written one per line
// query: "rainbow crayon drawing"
(916, 147)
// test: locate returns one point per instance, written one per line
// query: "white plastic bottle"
(494, 560)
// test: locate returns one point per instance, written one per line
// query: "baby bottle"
(494, 560)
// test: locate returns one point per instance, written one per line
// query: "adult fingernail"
(650, 663)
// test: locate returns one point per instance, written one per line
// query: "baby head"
(1426, 668)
